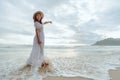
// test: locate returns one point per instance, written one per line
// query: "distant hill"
(109, 42)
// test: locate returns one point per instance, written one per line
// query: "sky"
(74, 22)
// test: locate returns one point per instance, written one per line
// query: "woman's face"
(38, 17)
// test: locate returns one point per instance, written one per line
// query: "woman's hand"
(39, 42)
(50, 22)
(46, 22)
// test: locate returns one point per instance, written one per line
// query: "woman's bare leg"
(26, 67)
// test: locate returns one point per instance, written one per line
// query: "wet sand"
(114, 75)
(65, 78)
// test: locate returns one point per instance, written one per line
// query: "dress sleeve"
(37, 25)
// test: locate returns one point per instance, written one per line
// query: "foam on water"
(95, 63)
(95, 67)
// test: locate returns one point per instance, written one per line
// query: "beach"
(114, 75)
(66, 78)
(80, 62)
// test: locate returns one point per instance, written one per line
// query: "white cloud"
(79, 21)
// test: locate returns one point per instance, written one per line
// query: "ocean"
(69, 61)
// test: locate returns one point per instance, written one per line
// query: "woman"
(37, 54)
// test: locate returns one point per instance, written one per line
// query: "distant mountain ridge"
(109, 42)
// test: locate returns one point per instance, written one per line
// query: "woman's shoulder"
(37, 24)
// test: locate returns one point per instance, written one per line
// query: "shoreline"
(65, 78)
(113, 74)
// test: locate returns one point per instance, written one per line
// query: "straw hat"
(38, 12)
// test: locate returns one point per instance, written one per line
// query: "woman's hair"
(35, 14)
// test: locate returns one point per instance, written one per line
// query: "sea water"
(70, 61)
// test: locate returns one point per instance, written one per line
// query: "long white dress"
(37, 54)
